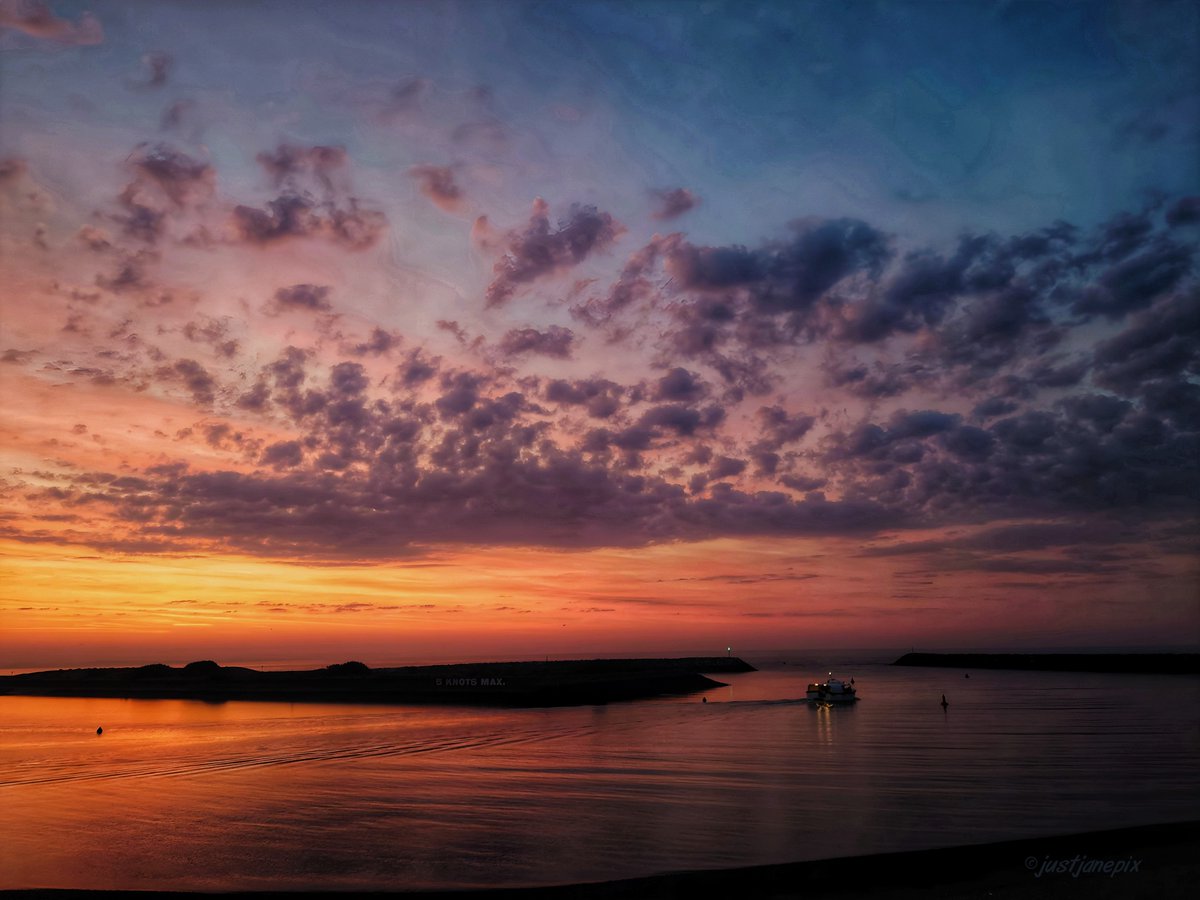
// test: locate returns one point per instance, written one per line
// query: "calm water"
(204, 796)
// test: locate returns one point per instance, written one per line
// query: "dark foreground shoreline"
(557, 683)
(1167, 859)
(1116, 663)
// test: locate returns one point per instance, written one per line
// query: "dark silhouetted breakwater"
(557, 683)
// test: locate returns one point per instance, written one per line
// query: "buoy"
(703, 699)
(99, 731)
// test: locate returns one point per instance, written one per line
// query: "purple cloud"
(288, 165)
(195, 377)
(33, 18)
(779, 428)
(674, 203)
(157, 67)
(312, 297)
(680, 384)
(12, 168)
(555, 341)
(177, 175)
(297, 217)
(601, 397)
(634, 286)
(379, 343)
(302, 173)
(438, 185)
(539, 250)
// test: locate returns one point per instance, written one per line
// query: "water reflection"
(230, 796)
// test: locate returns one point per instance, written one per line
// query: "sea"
(203, 796)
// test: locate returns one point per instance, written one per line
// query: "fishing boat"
(832, 692)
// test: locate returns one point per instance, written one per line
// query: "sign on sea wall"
(468, 681)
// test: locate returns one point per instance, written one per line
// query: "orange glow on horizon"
(63, 608)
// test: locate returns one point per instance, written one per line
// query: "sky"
(433, 330)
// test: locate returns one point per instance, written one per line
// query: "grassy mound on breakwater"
(557, 683)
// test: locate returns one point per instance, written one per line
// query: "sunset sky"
(399, 330)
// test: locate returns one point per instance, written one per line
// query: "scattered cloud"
(314, 201)
(291, 216)
(674, 203)
(156, 69)
(438, 184)
(554, 341)
(34, 18)
(540, 250)
(310, 297)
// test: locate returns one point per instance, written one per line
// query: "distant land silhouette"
(1117, 663)
(557, 683)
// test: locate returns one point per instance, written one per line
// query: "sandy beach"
(1155, 861)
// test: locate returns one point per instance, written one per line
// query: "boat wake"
(37, 770)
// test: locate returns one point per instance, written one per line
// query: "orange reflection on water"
(244, 796)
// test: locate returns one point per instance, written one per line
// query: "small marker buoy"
(99, 731)
(703, 699)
